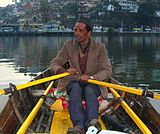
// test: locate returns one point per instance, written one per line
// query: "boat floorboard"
(60, 123)
(61, 119)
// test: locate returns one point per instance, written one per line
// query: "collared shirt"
(82, 59)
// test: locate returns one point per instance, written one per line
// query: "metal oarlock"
(11, 88)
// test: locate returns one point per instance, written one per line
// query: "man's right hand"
(72, 71)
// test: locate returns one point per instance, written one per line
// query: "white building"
(110, 7)
(130, 6)
(158, 13)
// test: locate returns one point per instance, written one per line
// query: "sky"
(4, 3)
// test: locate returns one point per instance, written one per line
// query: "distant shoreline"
(70, 33)
(35, 33)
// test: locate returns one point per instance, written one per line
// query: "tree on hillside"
(45, 10)
(146, 13)
(69, 14)
(71, 8)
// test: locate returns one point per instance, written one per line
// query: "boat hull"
(21, 103)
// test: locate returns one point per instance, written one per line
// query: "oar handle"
(8, 90)
(157, 96)
(12, 87)
(145, 93)
(2, 91)
(43, 80)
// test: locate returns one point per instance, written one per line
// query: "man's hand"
(72, 71)
(84, 77)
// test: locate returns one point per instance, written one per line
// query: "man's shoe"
(76, 130)
(79, 130)
(71, 130)
(95, 123)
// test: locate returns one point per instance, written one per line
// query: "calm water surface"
(135, 59)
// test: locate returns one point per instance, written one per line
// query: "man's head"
(82, 32)
(88, 25)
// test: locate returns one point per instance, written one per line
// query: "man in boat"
(88, 59)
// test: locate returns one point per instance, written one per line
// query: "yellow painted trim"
(57, 105)
(60, 122)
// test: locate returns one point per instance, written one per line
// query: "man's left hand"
(84, 77)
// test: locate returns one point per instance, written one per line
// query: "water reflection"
(135, 59)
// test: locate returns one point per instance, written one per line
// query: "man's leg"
(75, 103)
(91, 94)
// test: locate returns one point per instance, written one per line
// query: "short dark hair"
(88, 25)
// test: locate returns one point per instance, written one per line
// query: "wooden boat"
(23, 112)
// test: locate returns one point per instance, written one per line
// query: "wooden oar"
(131, 113)
(126, 89)
(33, 113)
(32, 83)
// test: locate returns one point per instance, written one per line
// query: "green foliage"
(146, 13)
(99, 15)
(111, 30)
(71, 8)
(44, 6)
(147, 9)
(45, 9)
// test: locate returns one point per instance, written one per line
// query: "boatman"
(88, 59)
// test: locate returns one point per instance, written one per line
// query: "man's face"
(81, 34)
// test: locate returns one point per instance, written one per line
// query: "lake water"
(135, 59)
